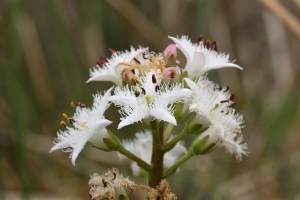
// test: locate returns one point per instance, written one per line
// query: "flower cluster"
(154, 89)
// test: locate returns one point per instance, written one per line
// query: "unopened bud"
(170, 74)
(171, 50)
(197, 124)
(205, 142)
(127, 75)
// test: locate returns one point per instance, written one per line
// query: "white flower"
(141, 146)
(149, 98)
(201, 59)
(88, 126)
(212, 105)
(112, 70)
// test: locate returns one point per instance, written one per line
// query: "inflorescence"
(156, 89)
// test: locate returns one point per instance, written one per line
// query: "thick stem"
(156, 173)
(179, 162)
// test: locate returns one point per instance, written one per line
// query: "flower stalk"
(156, 173)
(136, 159)
(170, 145)
(179, 162)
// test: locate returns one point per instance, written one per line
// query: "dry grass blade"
(36, 61)
(290, 20)
(140, 22)
(297, 2)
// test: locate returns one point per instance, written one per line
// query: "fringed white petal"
(162, 113)
(111, 71)
(88, 126)
(106, 73)
(148, 99)
(212, 106)
(201, 59)
(133, 117)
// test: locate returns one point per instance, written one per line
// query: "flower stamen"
(102, 60)
(226, 89)
(224, 101)
(154, 81)
(207, 43)
(63, 123)
(73, 105)
(231, 105)
(157, 88)
(146, 55)
(70, 119)
(136, 93)
(143, 91)
(137, 61)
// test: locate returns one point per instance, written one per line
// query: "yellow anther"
(134, 80)
(65, 115)
(81, 105)
(71, 120)
(63, 123)
(72, 104)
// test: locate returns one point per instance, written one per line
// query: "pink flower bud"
(171, 50)
(170, 74)
(128, 74)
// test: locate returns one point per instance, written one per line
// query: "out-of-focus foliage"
(47, 48)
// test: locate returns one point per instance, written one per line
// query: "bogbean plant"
(157, 90)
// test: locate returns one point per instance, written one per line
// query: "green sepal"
(112, 142)
(208, 148)
(194, 128)
(199, 145)
(103, 149)
(179, 113)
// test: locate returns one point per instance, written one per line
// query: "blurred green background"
(47, 48)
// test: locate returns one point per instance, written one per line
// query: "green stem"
(167, 147)
(133, 157)
(179, 162)
(156, 174)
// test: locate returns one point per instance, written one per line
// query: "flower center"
(148, 99)
(83, 124)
